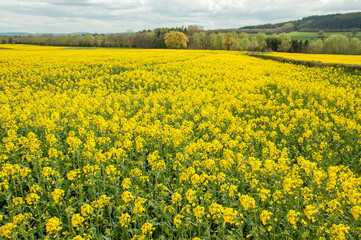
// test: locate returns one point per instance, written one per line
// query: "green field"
(313, 36)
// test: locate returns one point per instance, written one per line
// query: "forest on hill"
(330, 23)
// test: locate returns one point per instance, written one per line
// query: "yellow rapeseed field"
(325, 58)
(176, 144)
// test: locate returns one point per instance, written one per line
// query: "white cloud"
(120, 15)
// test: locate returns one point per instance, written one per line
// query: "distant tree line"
(333, 44)
(144, 39)
(197, 38)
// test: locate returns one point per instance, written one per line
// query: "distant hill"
(34, 34)
(14, 34)
(330, 23)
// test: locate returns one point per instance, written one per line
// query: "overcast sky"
(111, 16)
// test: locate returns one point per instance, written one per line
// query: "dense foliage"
(164, 144)
(176, 40)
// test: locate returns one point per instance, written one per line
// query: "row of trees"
(243, 42)
(195, 37)
(336, 44)
(144, 39)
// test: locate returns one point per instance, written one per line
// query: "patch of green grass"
(310, 36)
(313, 36)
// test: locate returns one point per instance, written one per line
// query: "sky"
(115, 16)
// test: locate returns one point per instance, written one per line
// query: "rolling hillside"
(331, 23)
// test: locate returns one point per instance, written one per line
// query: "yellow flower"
(139, 237)
(124, 220)
(136, 172)
(77, 220)
(101, 202)
(265, 216)
(72, 174)
(216, 210)
(169, 208)
(57, 194)
(48, 173)
(334, 207)
(338, 232)
(32, 198)
(264, 193)
(18, 201)
(53, 152)
(126, 183)
(190, 195)
(198, 213)
(177, 220)
(147, 228)
(35, 188)
(91, 170)
(6, 230)
(310, 210)
(86, 210)
(292, 217)
(247, 202)
(78, 237)
(230, 216)
(138, 205)
(18, 219)
(51, 139)
(321, 228)
(112, 172)
(24, 172)
(53, 225)
(176, 198)
(195, 179)
(73, 141)
(356, 212)
(127, 196)
(232, 190)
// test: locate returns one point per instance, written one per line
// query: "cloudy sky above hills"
(111, 16)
